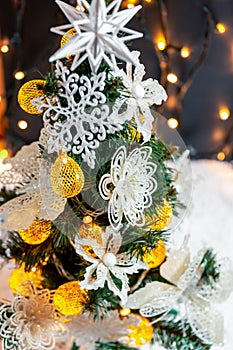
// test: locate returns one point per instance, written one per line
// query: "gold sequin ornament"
(37, 232)
(68, 35)
(19, 275)
(29, 91)
(156, 256)
(92, 231)
(70, 298)
(66, 177)
(141, 334)
(162, 218)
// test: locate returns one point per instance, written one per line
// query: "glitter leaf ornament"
(66, 178)
(29, 91)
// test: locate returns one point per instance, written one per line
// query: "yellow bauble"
(141, 334)
(162, 218)
(19, 276)
(156, 256)
(37, 232)
(70, 298)
(28, 91)
(66, 177)
(91, 231)
(71, 32)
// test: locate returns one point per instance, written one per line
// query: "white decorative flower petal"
(97, 33)
(133, 178)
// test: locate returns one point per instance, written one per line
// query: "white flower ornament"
(134, 184)
(186, 293)
(139, 97)
(107, 263)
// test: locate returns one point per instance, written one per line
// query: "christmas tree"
(88, 209)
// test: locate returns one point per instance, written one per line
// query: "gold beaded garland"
(141, 334)
(156, 256)
(70, 298)
(19, 275)
(162, 218)
(66, 177)
(28, 91)
(37, 232)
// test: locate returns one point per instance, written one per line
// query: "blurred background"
(187, 46)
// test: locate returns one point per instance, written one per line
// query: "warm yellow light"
(3, 154)
(87, 219)
(224, 113)
(172, 78)
(130, 5)
(125, 311)
(22, 124)
(184, 52)
(80, 8)
(172, 123)
(161, 44)
(221, 28)
(19, 75)
(221, 156)
(4, 48)
(148, 0)
(33, 269)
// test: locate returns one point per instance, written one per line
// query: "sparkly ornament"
(19, 275)
(162, 218)
(70, 298)
(156, 256)
(141, 334)
(69, 34)
(66, 178)
(37, 232)
(29, 91)
(92, 231)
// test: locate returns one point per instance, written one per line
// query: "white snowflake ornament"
(30, 321)
(138, 97)
(97, 33)
(186, 294)
(134, 184)
(108, 262)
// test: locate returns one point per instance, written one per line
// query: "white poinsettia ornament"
(108, 264)
(133, 179)
(138, 97)
(186, 292)
(30, 321)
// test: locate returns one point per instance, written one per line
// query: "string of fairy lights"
(165, 50)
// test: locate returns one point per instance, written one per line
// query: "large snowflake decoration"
(134, 184)
(30, 322)
(30, 176)
(108, 262)
(74, 123)
(187, 292)
(98, 31)
(87, 330)
(139, 95)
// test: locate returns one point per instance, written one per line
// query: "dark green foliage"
(112, 346)
(6, 195)
(211, 267)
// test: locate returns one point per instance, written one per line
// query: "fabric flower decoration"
(29, 175)
(138, 97)
(108, 262)
(132, 177)
(186, 292)
(30, 321)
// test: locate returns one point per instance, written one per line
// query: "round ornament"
(141, 334)
(29, 91)
(70, 298)
(66, 177)
(162, 218)
(156, 256)
(37, 232)
(19, 275)
(92, 231)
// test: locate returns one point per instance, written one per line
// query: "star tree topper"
(98, 31)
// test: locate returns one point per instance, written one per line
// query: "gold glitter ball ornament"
(70, 298)
(68, 35)
(29, 91)
(37, 232)
(66, 177)
(156, 256)
(141, 334)
(19, 275)
(92, 231)
(162, 218)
